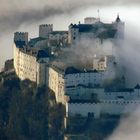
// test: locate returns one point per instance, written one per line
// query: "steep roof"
(85, 27)
(42, 54)
(119, 90)
(71, 70)
(137, 86)
(101, 30)
(59, 32)
(107, 34)
(118, 19)
(33, 41)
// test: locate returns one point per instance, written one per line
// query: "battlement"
(45, 29)
(21, 33)
(46, 25)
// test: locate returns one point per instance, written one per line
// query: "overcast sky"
(26, 15)
(14, 13)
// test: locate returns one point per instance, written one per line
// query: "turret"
(118, 19)
(73, 33)
(21, 36)
(45, 29)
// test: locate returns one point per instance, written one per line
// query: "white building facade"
(27, 66)
(109, 103)
(71, 81)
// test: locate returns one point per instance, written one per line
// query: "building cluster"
(94, 28)
(83, 90)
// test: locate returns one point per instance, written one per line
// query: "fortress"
(85, 88)
(94, 28)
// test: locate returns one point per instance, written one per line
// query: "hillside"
(27, 112)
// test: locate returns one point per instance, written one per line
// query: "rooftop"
(65, 68)
(101, 30)
(33, 41)
(42, 54)
(119, 90)
(83, 101)
(59, 32)
(72, 70)
(137, 86)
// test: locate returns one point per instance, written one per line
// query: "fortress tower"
(21, 36)
(73, 33)
(45, 29)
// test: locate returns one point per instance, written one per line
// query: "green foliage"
(56, 117)
(11, 83)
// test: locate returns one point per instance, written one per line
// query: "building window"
(90, 114)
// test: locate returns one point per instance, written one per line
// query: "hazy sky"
(26, 15)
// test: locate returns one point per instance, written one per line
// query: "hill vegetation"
(28, 112)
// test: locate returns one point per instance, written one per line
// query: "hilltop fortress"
(89, 86)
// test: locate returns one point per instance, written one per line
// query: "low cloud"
(15, 13)
(128, 128)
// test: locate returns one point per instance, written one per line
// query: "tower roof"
(137, 86)
(118, 18)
